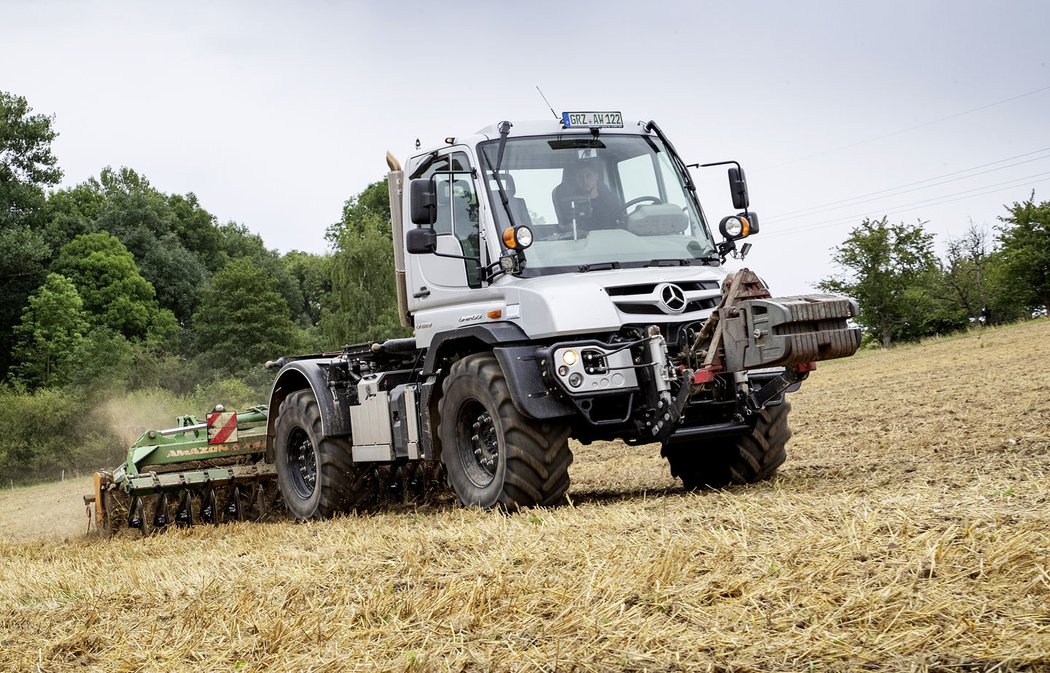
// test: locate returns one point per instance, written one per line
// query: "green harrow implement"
(196, 472)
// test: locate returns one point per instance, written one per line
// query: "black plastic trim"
(335, 415)
(489, 334)
(530, 394)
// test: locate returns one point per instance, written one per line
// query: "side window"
(457, 207)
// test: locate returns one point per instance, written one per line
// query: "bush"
(51, 430)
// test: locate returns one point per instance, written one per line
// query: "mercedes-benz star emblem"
(673, 297)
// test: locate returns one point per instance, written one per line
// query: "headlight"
(524, 236)
(734, 226)
(517, 238)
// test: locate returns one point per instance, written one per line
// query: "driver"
(582, 198)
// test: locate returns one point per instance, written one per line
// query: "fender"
(470, 340)
(312, 374)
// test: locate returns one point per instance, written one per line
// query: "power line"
(935, 201)
(912, 128)
(863, 198)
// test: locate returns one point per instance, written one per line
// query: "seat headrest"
(508, 183)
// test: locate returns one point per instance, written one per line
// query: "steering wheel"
(639, 199)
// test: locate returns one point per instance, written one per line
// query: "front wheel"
(313, 471)
(745, 459)
(495, 456)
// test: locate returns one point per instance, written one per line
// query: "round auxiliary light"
(524, 236)
(575, 380)
(569, 357)
(517, 238)
(734, 226)
(563, 371)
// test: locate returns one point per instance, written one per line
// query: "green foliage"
(144, 221)
(239, 243)
(115, 294)
(23, 259)
(104, 360)
(243, 319)
(891, 271)
(26, 162)
(50, 430)
(363, 302)
(27, 167)
(312, 275)
(196, 229)
(373, 201)
(364, 297)
(1025, 241)
(53, 325)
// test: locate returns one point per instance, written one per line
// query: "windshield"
(614, 199)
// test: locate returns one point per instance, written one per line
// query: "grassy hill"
(909, 530)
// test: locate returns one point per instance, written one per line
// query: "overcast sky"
(273, 114)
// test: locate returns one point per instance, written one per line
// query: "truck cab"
(630, 247)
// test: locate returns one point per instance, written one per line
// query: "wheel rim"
(478, 443)
(302, 463)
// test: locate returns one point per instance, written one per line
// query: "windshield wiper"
(598, 266)
(504, 131)
(669, 262)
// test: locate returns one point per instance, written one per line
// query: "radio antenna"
(547, 102)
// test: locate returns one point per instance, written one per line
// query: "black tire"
(746, 459)
(494, 456)
(313, 472)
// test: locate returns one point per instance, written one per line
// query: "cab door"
(438, 279)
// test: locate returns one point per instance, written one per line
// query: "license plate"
(592, 119)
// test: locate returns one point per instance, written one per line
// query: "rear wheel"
(745, 459)
(314, 472)
(495, 456)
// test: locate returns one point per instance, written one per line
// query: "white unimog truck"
(562, 280)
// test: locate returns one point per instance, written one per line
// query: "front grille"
(645, 299)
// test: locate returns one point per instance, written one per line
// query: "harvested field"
(909, 530)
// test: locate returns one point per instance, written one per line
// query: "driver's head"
(587, 177)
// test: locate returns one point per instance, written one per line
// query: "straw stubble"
(907, 531)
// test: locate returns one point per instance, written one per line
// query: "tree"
(145, 222)
(888, 269)
(966, 271)
(1025, 244)
(311, 273)
(363, 303)
(243, 320)
(197, 229)
(27, 165)
(238, 243)
(23, 263)
(52, 328)
(115, 294)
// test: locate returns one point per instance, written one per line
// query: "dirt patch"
(48, 511)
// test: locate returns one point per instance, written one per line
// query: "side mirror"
(424, 203)
(738, 188)
(422, 240)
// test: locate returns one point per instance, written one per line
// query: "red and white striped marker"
(222, 427)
